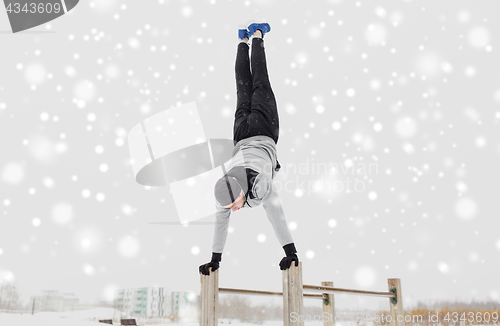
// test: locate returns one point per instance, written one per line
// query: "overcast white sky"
(406, 93)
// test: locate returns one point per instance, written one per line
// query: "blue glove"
(214, 263)
(291, 256)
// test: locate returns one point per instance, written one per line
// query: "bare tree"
(448, 303)
(9, 296)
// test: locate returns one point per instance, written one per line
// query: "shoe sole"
(254, 22)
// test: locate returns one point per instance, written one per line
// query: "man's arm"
(220, 230)
(220, 234)
(276, 215)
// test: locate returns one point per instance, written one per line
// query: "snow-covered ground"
(91, 317)
(88, 317)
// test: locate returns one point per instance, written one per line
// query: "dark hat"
(226, 190)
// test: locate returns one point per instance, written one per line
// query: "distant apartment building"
(52, 300)
(183, 305)
(156, 302)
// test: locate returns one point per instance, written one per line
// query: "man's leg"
(244, 86)
(264, 119)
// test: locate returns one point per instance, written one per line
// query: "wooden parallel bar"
(244, 291)
(325, 289)
(293, 295)
(396, 304)
(328, 305)
(256, 292)
(328, 289)
(314, 296)
(209, 298)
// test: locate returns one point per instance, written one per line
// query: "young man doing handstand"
(249, 179)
